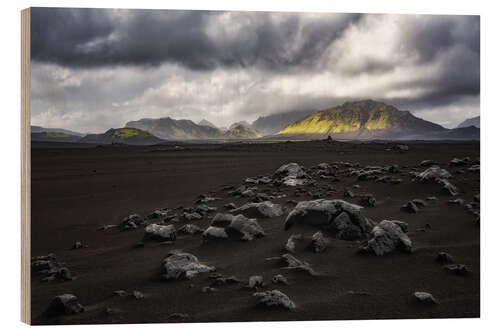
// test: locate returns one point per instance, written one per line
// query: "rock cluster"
(342, 219)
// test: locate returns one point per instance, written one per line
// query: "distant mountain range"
(39, 129)
(205, 122)
(475, 121)
(368, 120)
(360, 120)
(126, 135)
(275, 122)
(173, 129)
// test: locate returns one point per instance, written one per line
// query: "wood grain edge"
(25, 166)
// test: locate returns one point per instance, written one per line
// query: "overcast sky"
(93, 69)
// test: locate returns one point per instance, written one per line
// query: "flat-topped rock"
(325, 214)
(65, 304)
(182, 265)
(388, 236)
(160, 232)
(274, 298)
(259, 209)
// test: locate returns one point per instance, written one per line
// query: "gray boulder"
(182, 265)
(213, 233)
(259, 209)
(256, 281)
(291, 174)
(439, 176)
(132, 222)
(367, 200)
(246, 228)
(424, 297)
(190, 229)
(65, 304)
(325, 213)
(222, 220)
(388, 236)
(274, 298)
(160, 232)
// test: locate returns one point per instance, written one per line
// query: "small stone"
(137, 294)
(444, 258)
(277, 279)
(120, 293)
(367, 200)
(230, 206)
(64, 304)
(457, 269)
(274, 298)
(291, 242)
(318, 242)
(410, 207)
(256, 281)
(424, 297)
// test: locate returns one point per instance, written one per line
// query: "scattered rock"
(190, 229)
(459, 162)
(132, 222)
(400, 148)
(204, 209)
(274, 298)
(294, 263)
(120, 293)
(214, 233)
(178, 316)
(291, 242)
(108, 226)
(256, 281)
(137, 294)
(367, 200)
(324, 213)
(410, 207)
(475, 168)
(457, 269)
(260, 209)
(182, 265)
(318, 242)
(78, 245)
(444, 258)
(158, 213)
(427, 163)
(424, 297)
(65, 304)
(439, 176)
(192, 216)
(386, 237)
(277, 279)
(459, 201)
(230, 206)
(348, 194)
(208, 289)
(223, 281)
(160, 232)
(222, 220)
(245, 228)
(291, 174)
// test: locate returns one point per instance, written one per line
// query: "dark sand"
(76, 190)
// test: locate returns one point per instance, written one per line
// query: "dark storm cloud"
(98, 68)
(100, 37)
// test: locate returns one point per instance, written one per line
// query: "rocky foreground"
(289, 231)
